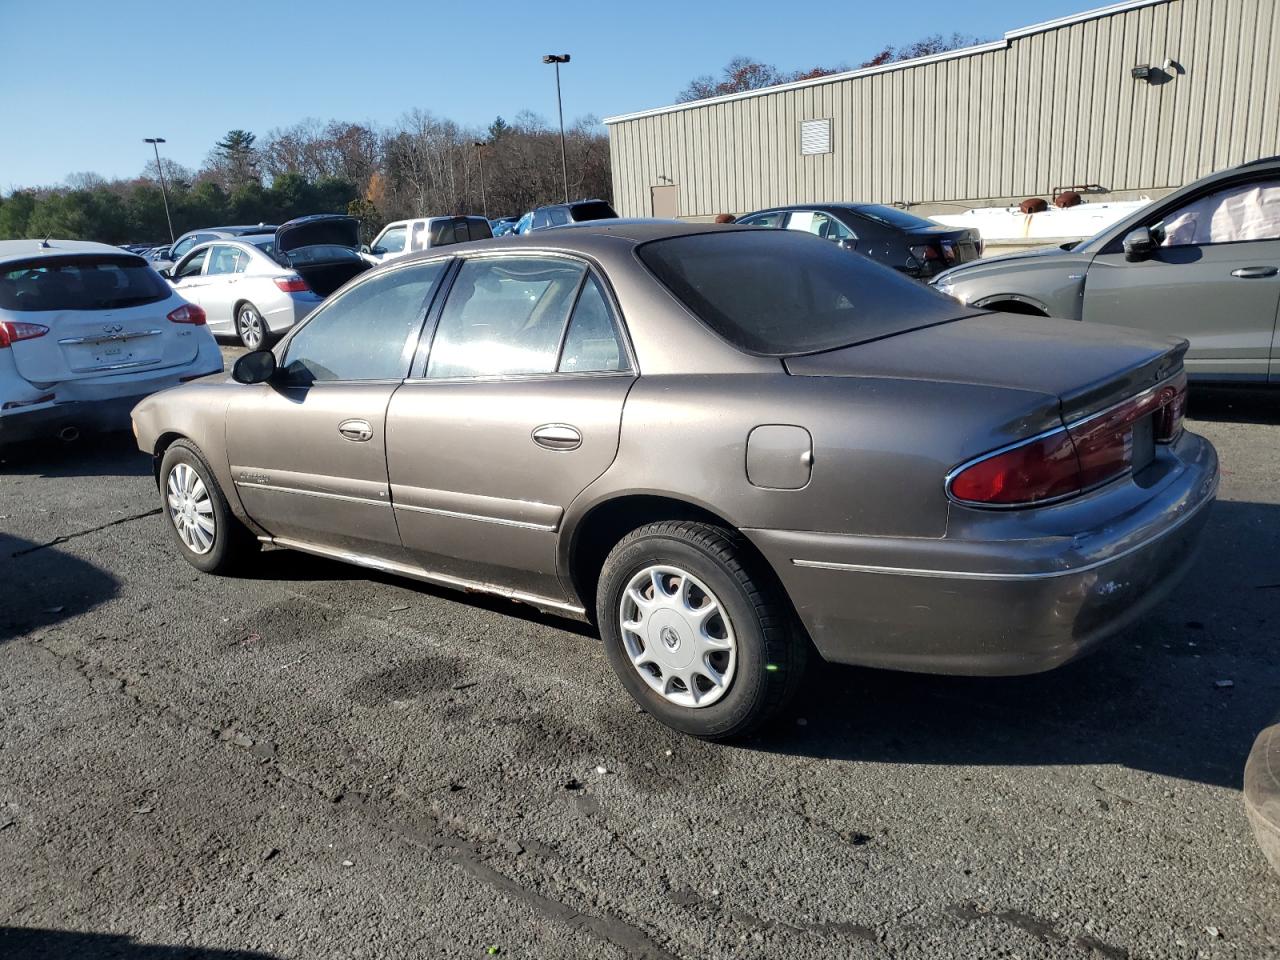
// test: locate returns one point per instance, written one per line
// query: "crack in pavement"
(433, 837)
(83, 533)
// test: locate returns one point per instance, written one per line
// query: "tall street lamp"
(480, 145)
(164, 190)
(557, 59)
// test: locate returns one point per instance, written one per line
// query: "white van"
(410, 236)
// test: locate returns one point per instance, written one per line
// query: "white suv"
(86, 331)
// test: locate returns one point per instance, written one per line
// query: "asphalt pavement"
(316, 761)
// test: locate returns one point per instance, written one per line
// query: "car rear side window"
(368, 333)
(591, 344)
(783, 293)
(504, 317)
(90, 282)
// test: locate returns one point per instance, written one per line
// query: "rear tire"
(251, 328)
(717, 654)
(195, 510)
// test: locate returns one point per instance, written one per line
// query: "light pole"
(483, 202)
(557, 59)
(164, 191)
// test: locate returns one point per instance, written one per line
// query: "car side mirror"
(377, 251)
(847, 244)
(166, 273)
(1139, 244)
(256, 367)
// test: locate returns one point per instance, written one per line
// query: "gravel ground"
(318, 762)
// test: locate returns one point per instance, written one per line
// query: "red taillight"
(924, 253)
(188, 313)
(1080, 457)
(11, 331)
(292, 284)
(1044, 469)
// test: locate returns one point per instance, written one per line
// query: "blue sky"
(84, 81)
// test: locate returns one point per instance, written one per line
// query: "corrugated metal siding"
(1053, 108)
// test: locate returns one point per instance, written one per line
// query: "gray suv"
(1202, 263)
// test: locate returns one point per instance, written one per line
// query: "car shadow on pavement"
(96, 455)
(34, 943)
(1181, 694)
(42, 586)
(1235, 404)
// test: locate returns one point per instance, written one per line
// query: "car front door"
(1214, 279)
(307, 449)
(188, 278)
(218, 292)
(515, 411)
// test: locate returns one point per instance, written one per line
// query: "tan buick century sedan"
(724, 445)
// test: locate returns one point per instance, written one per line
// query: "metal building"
(1135, 98)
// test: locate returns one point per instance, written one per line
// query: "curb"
(1262, 792)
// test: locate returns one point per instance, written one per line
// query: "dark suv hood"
(323, 229)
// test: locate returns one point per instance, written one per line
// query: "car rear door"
(307, 450)
(516, 410)
(101, 314)
(1214, 279)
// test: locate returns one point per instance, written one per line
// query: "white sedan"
(243, 290)
(86, 331)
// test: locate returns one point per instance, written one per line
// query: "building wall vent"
(815, 136)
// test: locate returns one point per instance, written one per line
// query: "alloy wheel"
(249, 324)
(678, 636)
(190, 508)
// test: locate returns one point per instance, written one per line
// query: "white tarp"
(1249, 212)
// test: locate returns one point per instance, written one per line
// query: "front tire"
(251, 328)
(700, 638)
(195, 509)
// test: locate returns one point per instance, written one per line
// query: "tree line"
(421, 166)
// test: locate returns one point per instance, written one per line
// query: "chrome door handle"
(557, 436)
(1254, 273)
(356, 430)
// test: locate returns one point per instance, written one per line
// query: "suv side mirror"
(847, 244)
(378, 250)
(256, 367)
(1139, 244)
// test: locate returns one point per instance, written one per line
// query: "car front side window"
(505, 317)
(369, 333)
(1239, 213)
(192, 265)
(391, 241)
(764, 220)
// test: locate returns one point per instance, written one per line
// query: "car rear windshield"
(779, 293)
(89, 282)
(893, 217)
(596, 210)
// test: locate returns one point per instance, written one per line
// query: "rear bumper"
(43, 423)
(290, 311)
(97, 406)
(1004, 606)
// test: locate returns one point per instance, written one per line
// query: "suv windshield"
(779, 293)
(88, 282)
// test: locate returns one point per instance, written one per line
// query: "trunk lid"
(82, 344)
(1087, 366)
(326, 229)
(323, 249)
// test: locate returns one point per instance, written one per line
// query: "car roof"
(13, 250)
(593, 236)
